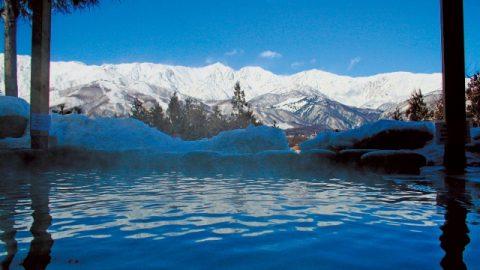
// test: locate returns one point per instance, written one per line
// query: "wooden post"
(453, 53)
(10, 16)
(40, 74)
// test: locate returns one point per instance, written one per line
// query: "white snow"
(14, 106)
(122, 134)
(346, 139)
(215, 82)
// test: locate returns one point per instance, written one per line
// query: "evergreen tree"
(439, 109)
(195, 119)
(175, 112)
(157, 118)
(417, 110)
(397, 115)
(216, 122)
(242, 114)
(473, 99)
(138, 111)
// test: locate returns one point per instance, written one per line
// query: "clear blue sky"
(353, 37)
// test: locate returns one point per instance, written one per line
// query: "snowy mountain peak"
(109, 89)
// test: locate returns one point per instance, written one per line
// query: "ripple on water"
(177, 221)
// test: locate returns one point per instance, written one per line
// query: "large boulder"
(383, 134)
(394, 161)
(353, 155)
(14, 113)
(12, 126)
(396, 139)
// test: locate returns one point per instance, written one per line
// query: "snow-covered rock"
(394, 161)
(14, 114)
(349, 138)
(14, 106)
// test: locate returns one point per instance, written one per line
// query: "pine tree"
(439, 109)
(216, 122)
(397, 115)
(242, 114)
(196, 116)
(417, 110)
(473, 99)
(138, 111)
(157, 119)
(175, 112)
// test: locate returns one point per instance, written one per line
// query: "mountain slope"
(215, 82)
(307, 98)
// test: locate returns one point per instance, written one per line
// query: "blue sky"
(349, 37)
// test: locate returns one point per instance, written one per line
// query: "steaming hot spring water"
(192, 219)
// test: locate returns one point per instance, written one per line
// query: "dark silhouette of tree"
(417, 110)
(439, 109)
(242, 114)
(397, 115)
(157, 118)
(473, 99)
(192, 120)
(216, 122)
(175, 114)
(139, 112)
(196, 117)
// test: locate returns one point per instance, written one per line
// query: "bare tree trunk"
(40, 74)
(10, 15)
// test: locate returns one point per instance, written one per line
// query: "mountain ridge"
(311, 97)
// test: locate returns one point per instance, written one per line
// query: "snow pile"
(250, 140)
(14, 106)
(125, 134)
(346, 139)
(121, 134)
(108, 134)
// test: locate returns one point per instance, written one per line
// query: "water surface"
(180, 220)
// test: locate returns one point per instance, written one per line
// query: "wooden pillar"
(10, 16)
(40, 74)
(453, 53)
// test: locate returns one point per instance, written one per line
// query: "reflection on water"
(39, 253)
(38, 193)
(454, 238)
(156, 220)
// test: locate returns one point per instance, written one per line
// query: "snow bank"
(126, 134)
(14, 106)
(249, 141)
(108, 134)
(121, 134)
(346, 139)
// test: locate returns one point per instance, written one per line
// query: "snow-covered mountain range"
(311, 97)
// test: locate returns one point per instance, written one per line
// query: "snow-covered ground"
(346, 139)
(125, 134)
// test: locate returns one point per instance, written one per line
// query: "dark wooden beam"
(453, 52)
(40, 74)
